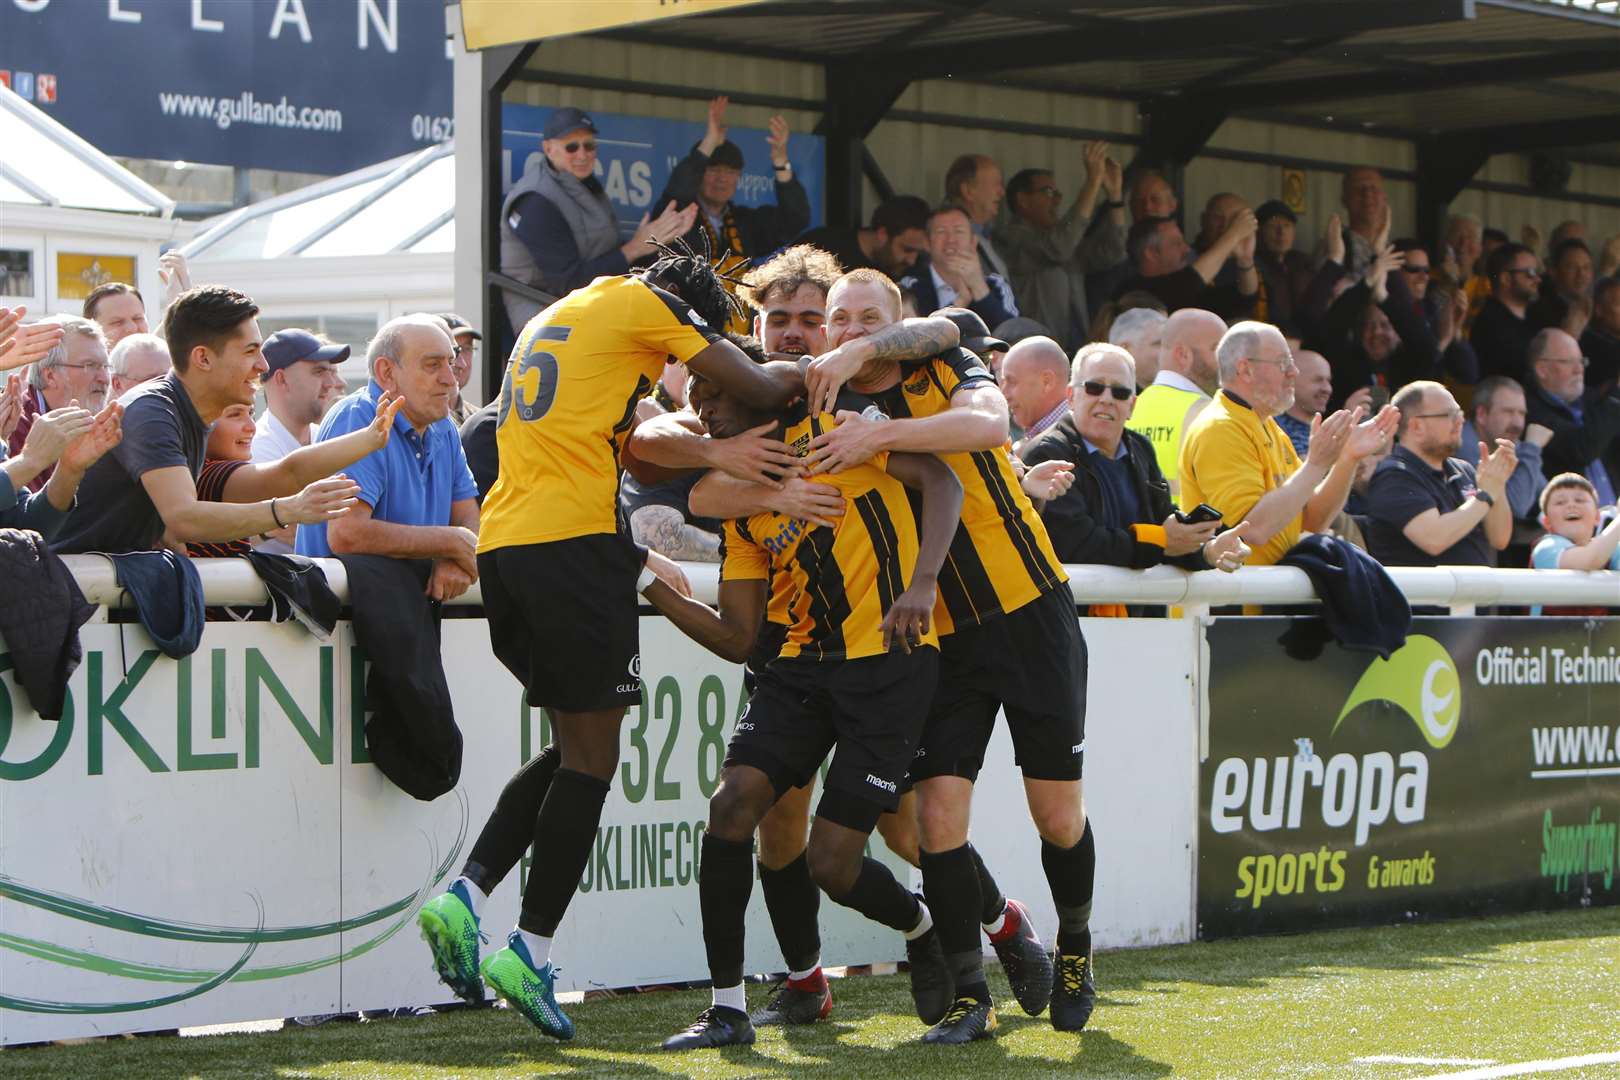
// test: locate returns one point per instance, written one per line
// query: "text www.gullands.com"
(246, 109)
(1574, 751)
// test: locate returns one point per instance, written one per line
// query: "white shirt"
(272, 442)
(1165, 377)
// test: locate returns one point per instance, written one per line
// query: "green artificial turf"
(1508, 990)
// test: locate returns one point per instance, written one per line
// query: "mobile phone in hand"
(1198, 515)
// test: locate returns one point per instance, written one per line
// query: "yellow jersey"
(841, 580)
(568, 402)
(1000, 557)
(1230, 459)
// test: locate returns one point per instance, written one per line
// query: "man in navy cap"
(466, 339)
(558, 229)
(302, 377)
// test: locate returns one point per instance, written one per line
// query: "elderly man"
(558, 229)
(417, 499)
(1499, 412)
(1312, 390)
(135, 359)
(897, 235)
(1050, 253)
(145, 492)
(974, 183)
(1367, 216)
(1502, 331)
(1140, 332)
(64, 442)
(1586, 428)
(953, 273)
(74, 372)
(1159, 252)
(118, 309)
(1187, 377)
(1035, 382)
(1428, 507)
(707, 179)
(1236, 458)
(1118, 511)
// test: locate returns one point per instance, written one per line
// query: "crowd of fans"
(1447, 404)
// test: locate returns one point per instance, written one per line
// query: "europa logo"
(1420, 679)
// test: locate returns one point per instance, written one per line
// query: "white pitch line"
(1525, 1068)
(1398, 1059)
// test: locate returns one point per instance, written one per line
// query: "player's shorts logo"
(635, 666)
(887, 785)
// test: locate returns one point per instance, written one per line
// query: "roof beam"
(1291, 92)
(1542, 134)
(1191, 34)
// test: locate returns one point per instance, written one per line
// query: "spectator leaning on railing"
(1571, 516)
(144, 493)
(1236, 458)
(70, 440)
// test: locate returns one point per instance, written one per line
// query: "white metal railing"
(232, 581)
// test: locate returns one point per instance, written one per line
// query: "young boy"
(1569, 513)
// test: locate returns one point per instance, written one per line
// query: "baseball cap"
(287, 347)
(562, 121)
(1274, 208)
(459, 326)
(727, 154)
(975, 335)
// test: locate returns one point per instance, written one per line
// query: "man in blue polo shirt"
(417, 496)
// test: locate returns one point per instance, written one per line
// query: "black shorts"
(563, 619)
(1032, 663)
(872, 710)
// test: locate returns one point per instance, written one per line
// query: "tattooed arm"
(664, 530)
(909, 339)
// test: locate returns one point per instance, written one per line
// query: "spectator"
(973, 182)
(1367, 216)
(74, 372)
(1570, 514)
(1501, 334)
(1499, 412)
(64, 442)
(298, 383)
(1426, 505)
(1312, 390)
(1374, 338)
(118, 309)
(953, 274)
(135, 359)
(1284, 272)
(1565, 230)
(1585, 430)
(1601, 342)
(1443, 306)
(1218, 213)
(229, 448)
(1186, 378)
(707, 178)
(1140, 332)
(1236, 458)
(1464, 248)
(558, 229)
(1050, 254)
(1035, 382)
(897, 236)
(1566, 289)
(1118, 510)
(145, 491)
(465, 339)
(1159, 253)
(1151, 196)
(417, 498)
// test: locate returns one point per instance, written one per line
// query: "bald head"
(1313, 386)
(1034, 379)
(1188, 346)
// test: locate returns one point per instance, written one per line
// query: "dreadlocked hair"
(701, 285)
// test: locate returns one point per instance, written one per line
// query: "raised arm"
(908, 339)
(307, 464)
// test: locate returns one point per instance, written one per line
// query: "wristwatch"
(787, 168)
(1484, 497)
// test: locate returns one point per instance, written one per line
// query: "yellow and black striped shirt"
(1001, 557)
(843, 580)
(568, 403)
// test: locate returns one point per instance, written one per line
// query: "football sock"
(563, 834)
(1071, 873)
(539, 947)
(794, 904)
(951, 885)
(470, 894)
(725, 880)
(731, 997)
(994, 904)
(510, 828)
(879, 896)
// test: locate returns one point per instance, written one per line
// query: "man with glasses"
(1236, 458)
(1049, 251)
(1427, 506)
(1586, 427)
(558, 229)
(74, 372)
(1501, 334)
(1118, 511)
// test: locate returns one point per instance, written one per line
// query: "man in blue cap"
(301, 380)
(558, 229)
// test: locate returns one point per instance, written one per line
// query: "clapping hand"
(1333, 239)
(1049, 480)
(1227, 552)
(777, 140)
(106, 432)
(23, 345)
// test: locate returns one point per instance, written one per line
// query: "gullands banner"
(1475, 770)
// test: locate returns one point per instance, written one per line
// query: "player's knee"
(941, 824)
(782, 834)
(899, 831)
(736, 807)
(833, 869)
(1060, 825)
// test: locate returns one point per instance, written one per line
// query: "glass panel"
(52, 167)
(270, 235)
(442, 239)
(16, 272)
(382, 226)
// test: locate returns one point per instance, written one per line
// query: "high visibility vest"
(1160, 416)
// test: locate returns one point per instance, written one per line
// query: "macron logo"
(886, 785)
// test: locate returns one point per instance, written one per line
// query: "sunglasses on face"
(589, 146)
(1098, 389)
(1416, 268)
